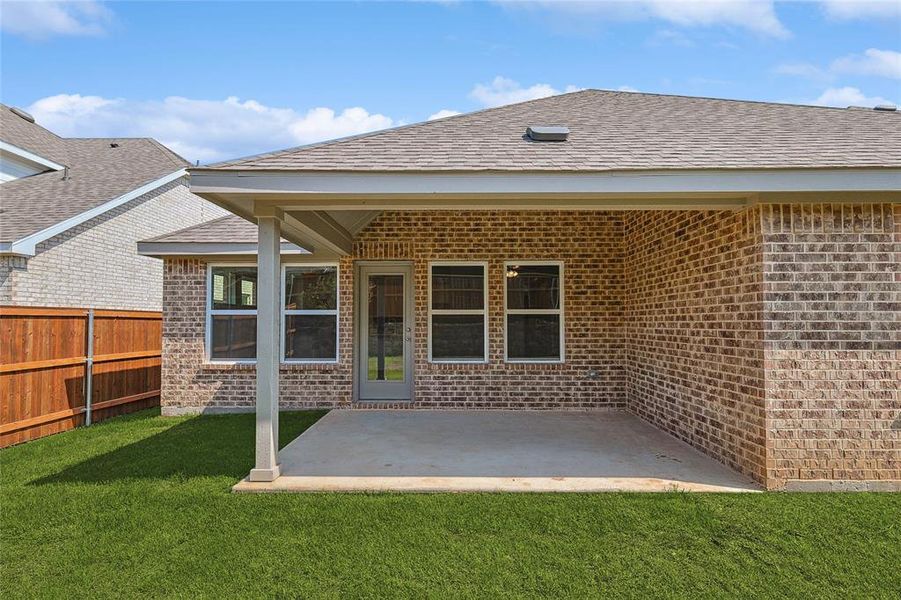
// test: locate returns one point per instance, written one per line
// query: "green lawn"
(394, 368)
(140, 506)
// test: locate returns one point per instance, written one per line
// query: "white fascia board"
(612, 183)
(30, 156)
(26, 246)
(208, 248)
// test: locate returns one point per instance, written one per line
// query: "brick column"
(832, 299)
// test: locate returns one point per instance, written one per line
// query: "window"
(458, 319)
(232, 313)
(309, 315)
(534, 312)
(310, 318)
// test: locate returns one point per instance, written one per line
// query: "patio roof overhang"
(322, 211)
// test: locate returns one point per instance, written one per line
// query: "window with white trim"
(232, 313)
(310, 313)
(458, 318)
(533, 315)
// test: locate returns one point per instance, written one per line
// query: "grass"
(140, 507)
(394, 368)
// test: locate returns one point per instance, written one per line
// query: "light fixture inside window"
(513, 271)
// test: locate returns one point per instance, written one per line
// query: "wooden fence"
(65, 367)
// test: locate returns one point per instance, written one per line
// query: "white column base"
(264, 474)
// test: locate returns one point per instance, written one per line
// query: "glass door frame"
(365, 390)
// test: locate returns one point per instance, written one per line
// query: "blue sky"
(215, 80)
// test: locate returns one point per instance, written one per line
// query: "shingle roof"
(612, 131)
(230, 228)
(30, 136)
(97, 174)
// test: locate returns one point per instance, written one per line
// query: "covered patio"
(644, 280)
(493, 451)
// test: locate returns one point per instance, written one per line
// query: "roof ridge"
(737, 100)
(34, 123)
(358, 136)
(118, 137)
(176, 158)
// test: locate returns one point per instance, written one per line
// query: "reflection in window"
(310, 319)
(534, 314)
(233, 313)
(385, 328)
(457, 329)
(311, 313)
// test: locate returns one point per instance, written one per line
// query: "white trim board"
(30, 156)
(209, 248)
(27, 245)
(613, 183)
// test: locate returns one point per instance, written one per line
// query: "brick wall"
(589, 243)
(767, 338)
(832, 288)
(590, 246)
(96, 264)
(771, 338)
(693, 330)
(191, 384)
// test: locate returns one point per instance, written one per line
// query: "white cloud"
(205, 130)
(42, 19)
(663, 37)
(848, 96)
(873, 62)
(444, 112)
(626, 88)
(506, 91)
(805, 70)
(879, 63)
(758, 16)
(755, 15)
(861, 9)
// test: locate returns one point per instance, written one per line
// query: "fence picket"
(62, 367)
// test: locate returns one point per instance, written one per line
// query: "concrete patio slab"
(469, 451)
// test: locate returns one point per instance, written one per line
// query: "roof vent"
(547, 133)
(21, 113)
(886, 107)
(113, 145)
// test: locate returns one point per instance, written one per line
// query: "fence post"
(89, 369)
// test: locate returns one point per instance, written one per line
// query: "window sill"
(533, 363)
(283, 366)
(458, 362)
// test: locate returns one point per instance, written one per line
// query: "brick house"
(727, 271)
(73, 209)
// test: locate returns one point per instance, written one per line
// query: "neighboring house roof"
(30, 136)
(98, 174)
(612, 131)
(230, 234)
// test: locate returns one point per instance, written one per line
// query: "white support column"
(268, 356)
